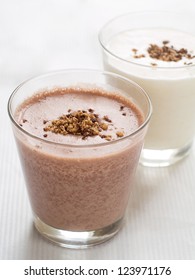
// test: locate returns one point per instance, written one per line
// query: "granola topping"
(165, 52)
(82, 123)
(168, 53)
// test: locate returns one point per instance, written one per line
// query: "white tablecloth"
(38, 36)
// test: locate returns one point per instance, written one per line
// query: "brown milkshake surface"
(83, 188)
(117, 116)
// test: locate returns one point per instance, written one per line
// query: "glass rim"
(102, 72)
(112, 20)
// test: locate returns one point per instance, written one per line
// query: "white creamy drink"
(162, 61)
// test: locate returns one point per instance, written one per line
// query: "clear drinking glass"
(79, 193)
(170, 87)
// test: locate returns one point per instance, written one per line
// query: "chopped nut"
(81, 123)
(166, 53)
(165, 42)
(154, 64)
(119, 134)
(139, 56)
(106, 118)
(108, 137)
(104, 126)
(134, 50)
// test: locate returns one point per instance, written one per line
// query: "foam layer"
(140, 39)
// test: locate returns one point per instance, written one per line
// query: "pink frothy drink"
(79, 135)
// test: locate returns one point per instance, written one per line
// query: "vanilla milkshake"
(162, 61)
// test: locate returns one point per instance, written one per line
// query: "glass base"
(162, 158)
(77, 239)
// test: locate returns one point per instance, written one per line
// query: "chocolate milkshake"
(80, 159)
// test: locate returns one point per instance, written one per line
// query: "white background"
(43, 35)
